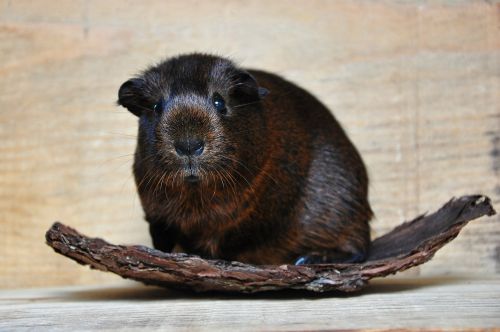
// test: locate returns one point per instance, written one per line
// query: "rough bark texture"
(408, 245)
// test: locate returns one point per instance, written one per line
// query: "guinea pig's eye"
(219, 103)
(159, 106)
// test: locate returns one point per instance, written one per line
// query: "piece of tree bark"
(408, 245)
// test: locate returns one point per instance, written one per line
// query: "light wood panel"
(430, 304)
(415, 83)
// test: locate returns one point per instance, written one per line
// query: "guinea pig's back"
(304, 119)
(334, 193)
(287, 101)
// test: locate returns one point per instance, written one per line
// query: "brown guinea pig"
(243, 165)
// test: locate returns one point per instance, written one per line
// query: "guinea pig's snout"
(189, 147)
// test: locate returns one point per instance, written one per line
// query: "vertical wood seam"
(416, 132)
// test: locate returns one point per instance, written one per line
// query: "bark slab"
(410, 244)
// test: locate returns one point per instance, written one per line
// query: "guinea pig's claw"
(330, 258)
(304, 260)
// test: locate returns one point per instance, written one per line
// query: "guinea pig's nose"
(189, 147)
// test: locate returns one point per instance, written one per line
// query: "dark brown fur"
(278, 179)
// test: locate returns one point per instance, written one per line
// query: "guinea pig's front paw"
(330, 258)
(309, 259)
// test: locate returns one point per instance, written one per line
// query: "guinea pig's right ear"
(129, 95)
(246, 89)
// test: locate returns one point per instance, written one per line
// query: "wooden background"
(415, 83)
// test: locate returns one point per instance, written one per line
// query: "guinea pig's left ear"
(130, 96)
(245, 88)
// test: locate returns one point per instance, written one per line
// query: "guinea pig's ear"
(130, 95)
(245, 88)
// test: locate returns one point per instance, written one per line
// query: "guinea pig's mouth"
(192, 178)
(191, 173)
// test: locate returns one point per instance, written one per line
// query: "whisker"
(142, 107)
(246, 104)
(258, 170)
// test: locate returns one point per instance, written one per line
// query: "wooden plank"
(416, 84)
(441, 303)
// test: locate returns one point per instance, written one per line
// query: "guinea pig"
(244, 165)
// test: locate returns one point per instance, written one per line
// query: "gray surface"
(389, 303)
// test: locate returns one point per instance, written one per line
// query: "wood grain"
(412, 304)
(416, 85)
